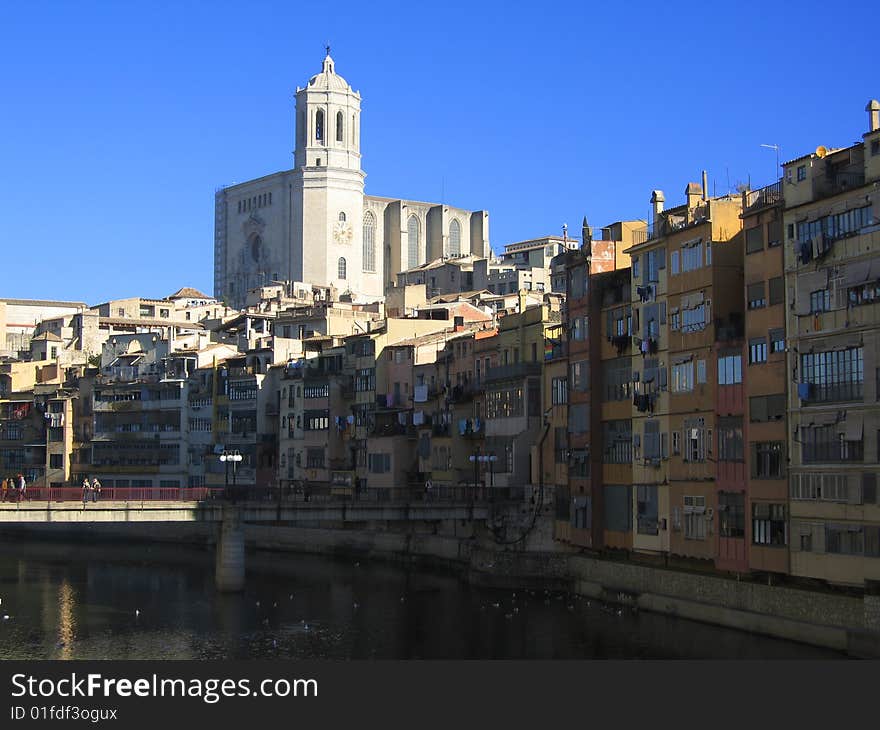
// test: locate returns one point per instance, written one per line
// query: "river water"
(106, 601)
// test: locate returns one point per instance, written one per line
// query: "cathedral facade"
(315, 224)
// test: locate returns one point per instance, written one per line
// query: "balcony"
(834, 183)
(830, 393)
(764, 197)
(462, 393)
(514, 371)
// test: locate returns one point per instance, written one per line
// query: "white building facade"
(315, 224)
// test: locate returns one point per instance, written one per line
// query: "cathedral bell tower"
(328, 183)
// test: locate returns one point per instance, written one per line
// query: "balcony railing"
(516, 370)
(812, 393)
(764, 197)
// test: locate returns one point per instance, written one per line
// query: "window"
(766, 408)
(412, 242)
(617, 379)
(365, 380)
(560, 443)
(504, 402)
(701, 372)
(863, 294)
(316, 391)
(835, 226)
(769, 526)
(379, 463)
(675, 320)
(578, 282)
(820, 301)
(577, 329)
(582, 517)
(801, 172)
(755, 295)
(844, 539)
(754, 239)
(694, 440)
(777, 340)
(578, 418)
(683, 377)
(767, 459)
(823, 444)
(580, 375)
(836, 375)
(341, 268)
(777, 290)
(694, 318)
(369, 242)
(674, 262)
(314, 458)
(653, 264)
(692, 256)
(730, 439)
(636, 272)
(559, 388)
(319, 126)
(694, 517)
(56, 461)
(757, 350)
(340, 127)
(647, 510)
(455, 238)
(732, 514)
(617, 442)
(875, 147)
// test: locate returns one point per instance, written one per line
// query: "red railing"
(115, 494)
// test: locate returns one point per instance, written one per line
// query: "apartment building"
(759, 440)
(612, 398)
(682, 303)
(832, 272)
(514, 404)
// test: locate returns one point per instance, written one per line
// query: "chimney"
(873, 109)
(705, 185)
(657, 200)
(522, 300)
(458, 323)
(693, 192)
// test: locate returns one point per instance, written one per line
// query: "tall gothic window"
(339, 126)
(341, 268)
(369, 252)
(455, 238)
(341, 217)
(319, 125)
(412, 242)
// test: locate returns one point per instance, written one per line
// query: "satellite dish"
(821, 151)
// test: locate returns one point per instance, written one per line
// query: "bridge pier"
(229, 568)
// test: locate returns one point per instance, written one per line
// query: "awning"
(857, 273)
(852, 427)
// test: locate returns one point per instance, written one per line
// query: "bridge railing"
(115, 494)
(312, 494)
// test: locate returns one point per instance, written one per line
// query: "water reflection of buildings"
(66, 620)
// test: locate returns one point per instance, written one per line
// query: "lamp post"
(232, 457)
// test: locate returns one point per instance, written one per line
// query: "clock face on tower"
(342, 232)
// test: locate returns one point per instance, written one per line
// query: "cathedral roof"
(328, 78)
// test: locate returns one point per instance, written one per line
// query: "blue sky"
(120, 119)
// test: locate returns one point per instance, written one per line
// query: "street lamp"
(232, 457)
